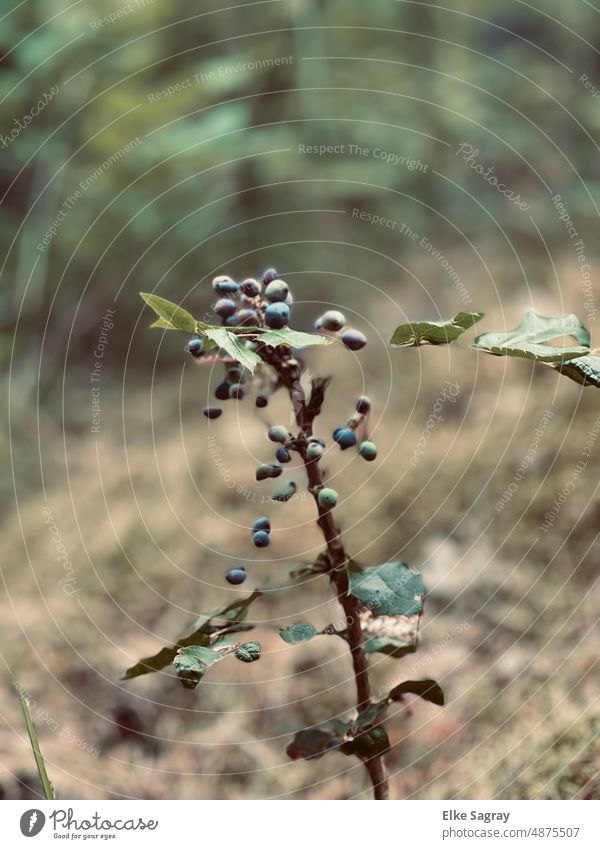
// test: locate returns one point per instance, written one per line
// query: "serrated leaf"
(583, 370)
(174, 316)
(248, 652)
(527, 340)
(292, 338)
(428, 689)
(203, 633)
(391, 635)
(229, 343)
(434, 332)
(298, 633)
(391, 589)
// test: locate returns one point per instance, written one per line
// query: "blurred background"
(399, 160)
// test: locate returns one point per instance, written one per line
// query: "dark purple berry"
(225, 307)
(363, 405)
(246, 318)
(261, 401)
(222, 391)
(236, 576)
(354, 339)
(250, 288)
(212, 412)
(260, 539)
(283, 455)
(269, 275)
(277, 316)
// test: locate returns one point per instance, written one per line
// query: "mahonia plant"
(382, 605)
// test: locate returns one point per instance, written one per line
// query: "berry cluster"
(345, 436)
(335, 321)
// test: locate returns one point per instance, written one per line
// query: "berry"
(354, 340)
(236, 576)
(268, 471)
(194, 346)
(363, 405)
(222, 391)
(277, 290)
(234, 373)
(262, 524)
(277, 316)
(236, 390)
(246, 318)
(225, 307)
(286, 492)
(314, 451)
(327, 498)
(269, 275)
(212, 412)
(231, 321)
(224, 285)
(260, 539)
(344, 437)
(368, 450)
(278, 433)
(317, 440)
(250, 288)
(332, 320)
(261, 401)
(283, 455)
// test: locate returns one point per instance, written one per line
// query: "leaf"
(203, 633)
(391, 635)
(368, 745)
(173, 316)
(312, 743)
(192, 662)
(527, 339)
(298, 633)
(434, 332)
(391, 589)
(248, 652)
(228, 342)
(428, 689)
(584, 370)
(292, 338)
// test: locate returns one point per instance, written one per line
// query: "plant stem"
(289, 371)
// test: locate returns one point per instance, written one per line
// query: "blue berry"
(269, 275)
(260, 539)
(231, 321)
(363, 405)
(261, 401)
(236, 390)
(368, 450)
(236, 576)
(327, 498)
(262, 524)
(225, 307)
(278, 433)
(344, 437)
(354, 340)
(283, 455)
(277, 290)
(251, 288)
(195, 346)
(222, 391)
(332, 320)
(224, 285)
(246, 318)
(212, 412)
(268, 471)
(277, 316)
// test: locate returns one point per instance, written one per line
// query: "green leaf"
(248, 652)
(173, 316)
(298, 633)
(192, 662)
(292, 338)
(391, 589)
(229, 343)
(203, 634)
(35, 748)
(428, 689)
(584, 370)
(527, 340)
(434, 332)
(368, 745)
(312, 743)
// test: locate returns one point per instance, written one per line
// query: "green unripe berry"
(268, 471)
(327, 498)
(278, 433)
(236, 390)
(277, 290)
(368, 450)
(314, 451)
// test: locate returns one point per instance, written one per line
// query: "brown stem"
(289, 371)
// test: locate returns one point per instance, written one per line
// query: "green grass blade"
(35, 746)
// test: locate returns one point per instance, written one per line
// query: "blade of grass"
(35, 746)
